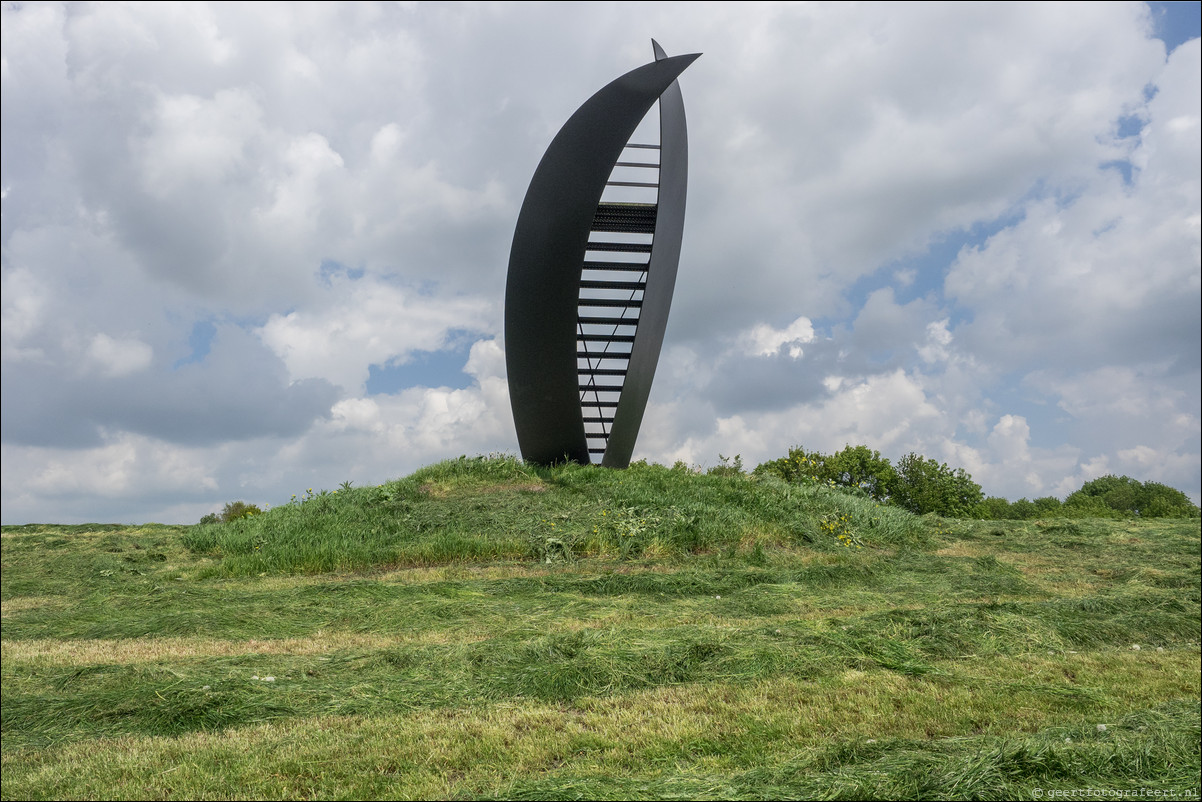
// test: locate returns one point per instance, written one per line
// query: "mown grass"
(671, 635)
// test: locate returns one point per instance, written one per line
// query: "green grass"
(482, 629)
(499, 509)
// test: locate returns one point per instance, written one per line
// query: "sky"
(252, 249)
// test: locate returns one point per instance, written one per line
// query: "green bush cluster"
(1105, 497)
(918, 484)
(233, 511)
(922, 486)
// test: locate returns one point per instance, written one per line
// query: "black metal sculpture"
(591, 276)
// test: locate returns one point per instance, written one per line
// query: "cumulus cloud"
(360, 323)
(764, 340)
(970, 231)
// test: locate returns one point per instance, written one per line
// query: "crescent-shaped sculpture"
(590, 279)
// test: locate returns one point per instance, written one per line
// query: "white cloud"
(126, 473)
(22, 311)
(364, 322)
(938, 338)
(117, 357)
(189, 190)
(198, 142)
(764, 340)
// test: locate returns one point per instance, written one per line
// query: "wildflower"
(1101, 728)
(1135, 647)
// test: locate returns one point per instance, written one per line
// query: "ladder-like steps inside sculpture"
(611, 294)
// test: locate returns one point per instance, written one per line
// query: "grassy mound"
(482, 630)
(469, 510)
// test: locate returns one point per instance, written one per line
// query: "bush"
(924, 486)
(1121, 496)
(238, 509)
(996, 508)
(861, 467)
(856, 467)
(798, 467)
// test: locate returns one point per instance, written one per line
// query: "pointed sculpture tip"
(660, 55)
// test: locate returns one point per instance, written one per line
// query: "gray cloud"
(334, 186)
(241, 391)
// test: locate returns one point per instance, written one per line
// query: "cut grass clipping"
(482, 629)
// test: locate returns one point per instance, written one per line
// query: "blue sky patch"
(423, 369)
(200, 340)
(1176, 23)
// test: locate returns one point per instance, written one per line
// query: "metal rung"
(618, 303)
(622, 225)
(597, 419)
(651, 184)
(636, 164)
(602, 372)
(598, 284)
(600, 388)
(622, 247)
(593, 320)
(603, 355)
(634, 267)
(632, 145)
(596, 451)
(629, 218)
(607, 338)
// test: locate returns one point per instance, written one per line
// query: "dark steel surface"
(661, 276)
(542, 292)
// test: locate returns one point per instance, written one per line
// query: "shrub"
(798, 467)
(924, 486)
(860, 466)
(996, 508)
(238, 509)
(1047, 506)
(856, 467)
(1119, 496)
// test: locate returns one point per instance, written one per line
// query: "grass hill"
(482, 629)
